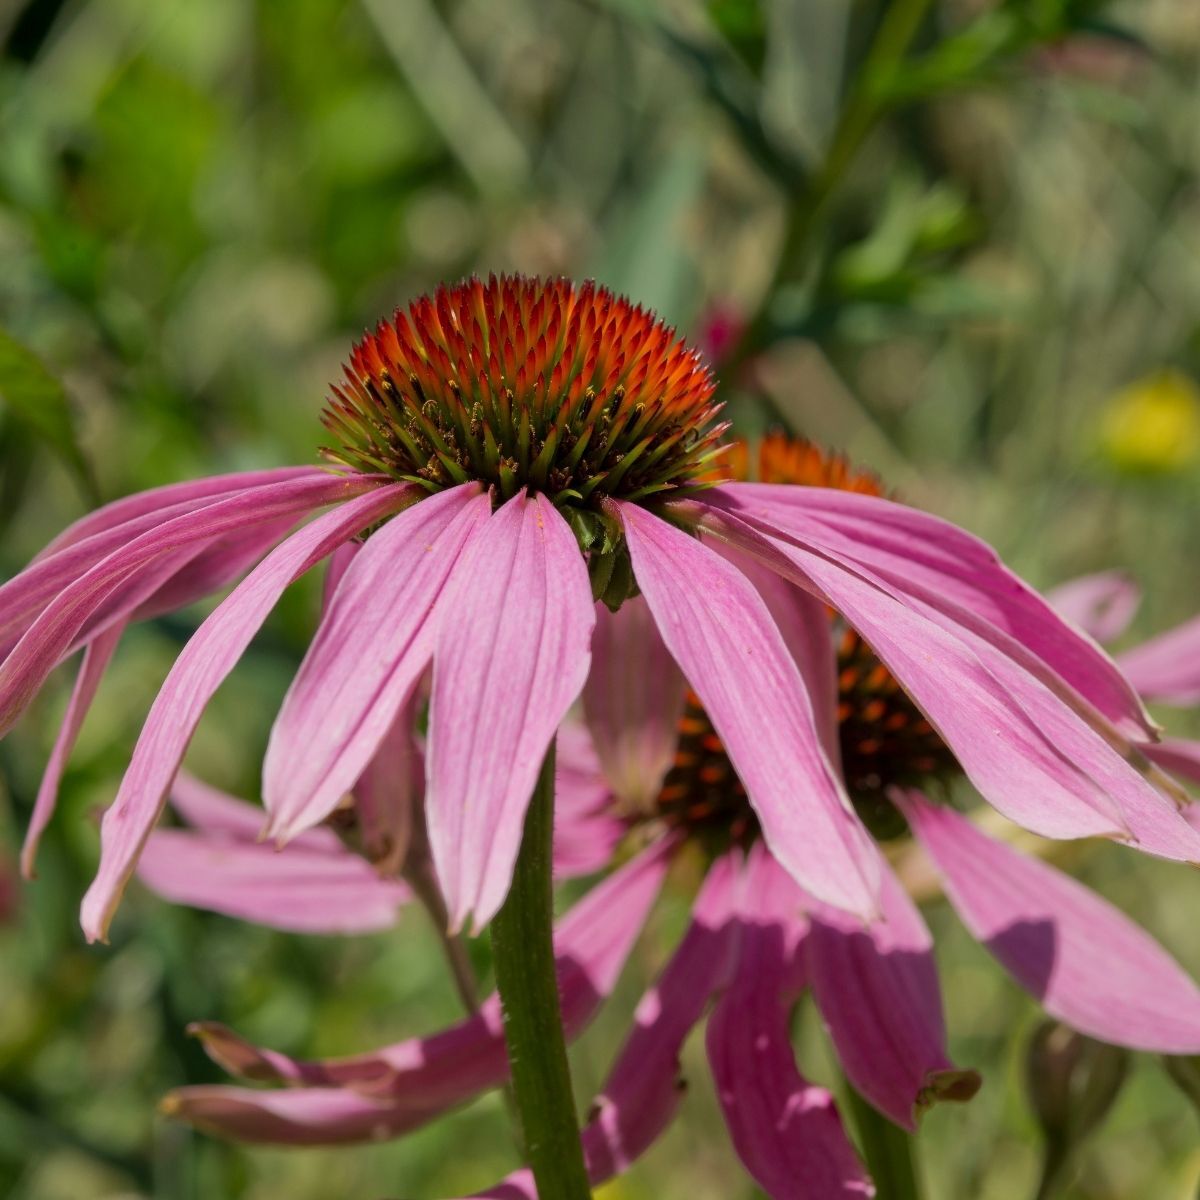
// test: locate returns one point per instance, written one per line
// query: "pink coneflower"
(758, 940)
(511, 450)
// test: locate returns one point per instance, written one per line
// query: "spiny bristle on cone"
(528, 383)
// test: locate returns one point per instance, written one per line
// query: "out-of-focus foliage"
(958, 238)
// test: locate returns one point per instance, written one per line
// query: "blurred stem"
(421, 879)
(522, 939)
(888, 1150)
(864, 106)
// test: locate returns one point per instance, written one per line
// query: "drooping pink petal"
(388, 792)
(372, 646)
(1102, 605)
(96, 658)
(1181, 757)
(587, 830)
(296, 1117)
(152, 502)
(720, 632)
(643, 1090)
(1086, 962)
(297, 889)
(1167, 667)
(633, 700)
(591, 943)
(512, 653)
(807, 632)
(205, 661)
(786, 1130)
(1042, 765)
(44, 643)
(91, 540)
(215, 567)
(960, 577)
(877, 989)
(212, 811)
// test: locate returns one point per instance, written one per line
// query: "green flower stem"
(889, 1151)
(524, 958)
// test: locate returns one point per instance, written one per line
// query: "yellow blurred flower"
(1154, 424)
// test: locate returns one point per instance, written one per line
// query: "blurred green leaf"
(742, 24)
(35, 398)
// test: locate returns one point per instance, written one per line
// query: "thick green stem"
(889, 1151)
(524, 956)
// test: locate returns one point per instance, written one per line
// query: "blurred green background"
(959, 239)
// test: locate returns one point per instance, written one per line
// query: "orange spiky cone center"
(528, 383)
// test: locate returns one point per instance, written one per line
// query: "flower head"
(515, 450)
(661, 779)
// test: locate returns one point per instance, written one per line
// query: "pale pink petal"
(513, 648)
(335, 571)
(1102, 605)
(215, 567)
(719, 630)
(205, 661)
(1167, 667)
(96, 658)
(300, 890)
(633, 700)
(786, 1130)
(1087, 963)
(644, 1088)
(388, 793)
(93, 539)
(45, 642)
(592, 943)
(807, 631)
(1181, 757)
(296, 1117)
(211, 810)
(877, 989)
(1055, 774)
(586, 829)
(958, 576)
(152, 502)
(372, 646)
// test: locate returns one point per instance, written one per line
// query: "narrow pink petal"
(1181, 757)
(1102, 605)
(205, 661)
(335, 571)
(1018, 769)
(786, 1130)
(586, 829)
(961, 577)
(372, 646)
(591, 943)
(1087, 963)
(807, 631)
(96, 658)
(512, 653)
(151, 503)
(215, 567)
(720, 632)
(633, 700)
(299, 1117)
(388, 793)
(91, 540)
(45, 642)
(877, 989)
(297, 889)
(643, 1090)
(211, 810)
(1167, 667)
